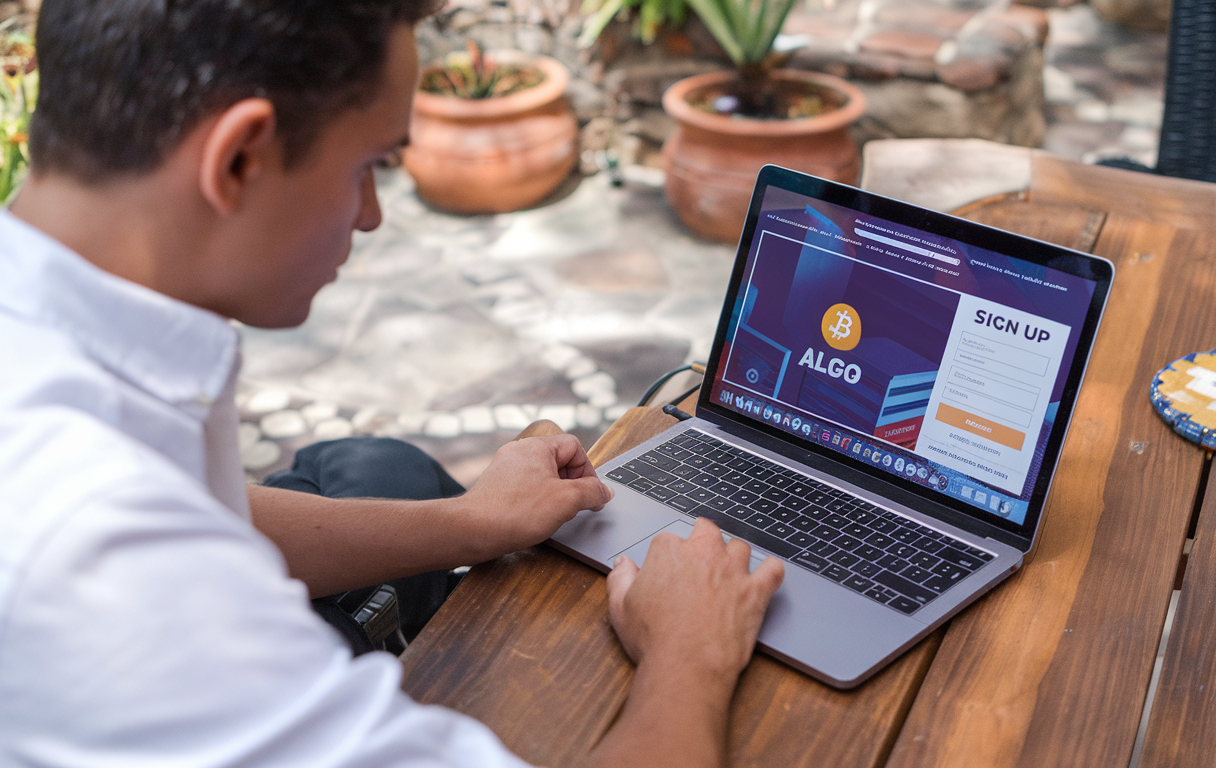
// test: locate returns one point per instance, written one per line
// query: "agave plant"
(746, 30)
(18, 97)
(473, 75)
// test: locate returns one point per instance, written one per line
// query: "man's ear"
(238, 149)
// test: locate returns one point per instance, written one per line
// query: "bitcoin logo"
(841, 327)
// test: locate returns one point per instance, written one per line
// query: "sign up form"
(986, 411)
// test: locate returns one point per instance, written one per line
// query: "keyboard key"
(722, 488)
(816, 513)
(682, 503)
(803, 523)
(795, 504)
(780, 530)
(721, 503)
(700, 462)
(868, 552)
(736, 479)
(884, 525)
(681, 486)
(656, 475)
(835, 573)
(878, 594)
(739, 464)
(906, 535)
(915, 573)
(902, 551)
(863, 517)
(845, 559)
(923, 560)
(823, 548)
(775, 495)
(703, 479)
(825, 532)
(660, 493)
(755, 486)
(814, 562)
(700, 495)
(759, 520)
(938, 584)
(962, 560)
(685, 471)
(783, 514)
(798, 489)
(845, 541)
(869, 570)
(622, 475)
(880, 540)
(856, 531)
(836, 521)
(857, 583)
(780, 481)
(764, 505)
(892, 563)
(949, 571)
(641, 484)
(717, 470)
(981, 554)
(743, 497)
(800, 539)
(903, 604)
(929, 544)
(904, 587)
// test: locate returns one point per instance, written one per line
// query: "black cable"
(661, 381)
(680, 399)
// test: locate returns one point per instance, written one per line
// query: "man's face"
(299, 225)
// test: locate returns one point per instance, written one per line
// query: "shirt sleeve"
(150, 626)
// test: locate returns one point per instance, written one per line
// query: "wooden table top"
(1050, 669)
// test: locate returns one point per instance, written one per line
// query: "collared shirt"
(143, 619)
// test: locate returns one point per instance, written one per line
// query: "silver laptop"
(883, 409)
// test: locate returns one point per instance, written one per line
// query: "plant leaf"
(593, 26)
(718, 24)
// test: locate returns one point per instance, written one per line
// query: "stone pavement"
(455, 332)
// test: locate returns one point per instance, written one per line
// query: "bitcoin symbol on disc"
(841, 327)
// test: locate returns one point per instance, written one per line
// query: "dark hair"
(122, 82)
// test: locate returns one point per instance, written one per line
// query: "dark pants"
(379, 467)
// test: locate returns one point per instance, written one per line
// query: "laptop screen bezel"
(1072, 262)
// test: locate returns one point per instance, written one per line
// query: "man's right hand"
(694, 597)
(689, 619)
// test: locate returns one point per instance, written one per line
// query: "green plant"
(470, 74)
(746, 30)
(18, 97)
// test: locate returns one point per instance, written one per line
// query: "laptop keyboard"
(886, 557)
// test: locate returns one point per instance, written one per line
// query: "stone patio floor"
(455, 332)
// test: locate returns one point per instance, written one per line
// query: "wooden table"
(1050, 669)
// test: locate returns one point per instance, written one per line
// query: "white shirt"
(143, 620)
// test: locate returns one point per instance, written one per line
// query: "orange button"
(997, 433)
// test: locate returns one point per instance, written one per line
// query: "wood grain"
(1177, 202)
(1053, 667)
(1182, 725)
(1071, 226)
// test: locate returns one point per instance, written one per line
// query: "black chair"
(1188, 125)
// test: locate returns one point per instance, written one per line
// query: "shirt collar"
(176, 352)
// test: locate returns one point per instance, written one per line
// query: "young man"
(200, 160)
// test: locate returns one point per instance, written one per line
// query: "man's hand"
(689, 619)
(530, 488)
(694, 598)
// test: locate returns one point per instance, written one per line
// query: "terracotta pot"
(494, 155)
(712, 160)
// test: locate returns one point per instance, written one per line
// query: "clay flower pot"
(712, 160)
(497, 154)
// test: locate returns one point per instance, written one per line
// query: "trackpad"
(624, 521)
(683, 529)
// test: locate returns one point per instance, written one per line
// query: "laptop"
(883, 409)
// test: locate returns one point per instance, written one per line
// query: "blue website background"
(907, 302)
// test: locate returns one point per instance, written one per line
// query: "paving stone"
(333, 429)
(247, 435)
(268, 400)
(261, 455)
(283, 424)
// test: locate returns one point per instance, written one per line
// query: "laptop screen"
(929, 351)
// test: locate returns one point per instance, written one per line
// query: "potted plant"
(18, 96)
(731, 123)
(491, 133)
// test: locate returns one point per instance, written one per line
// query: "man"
(199, 160)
